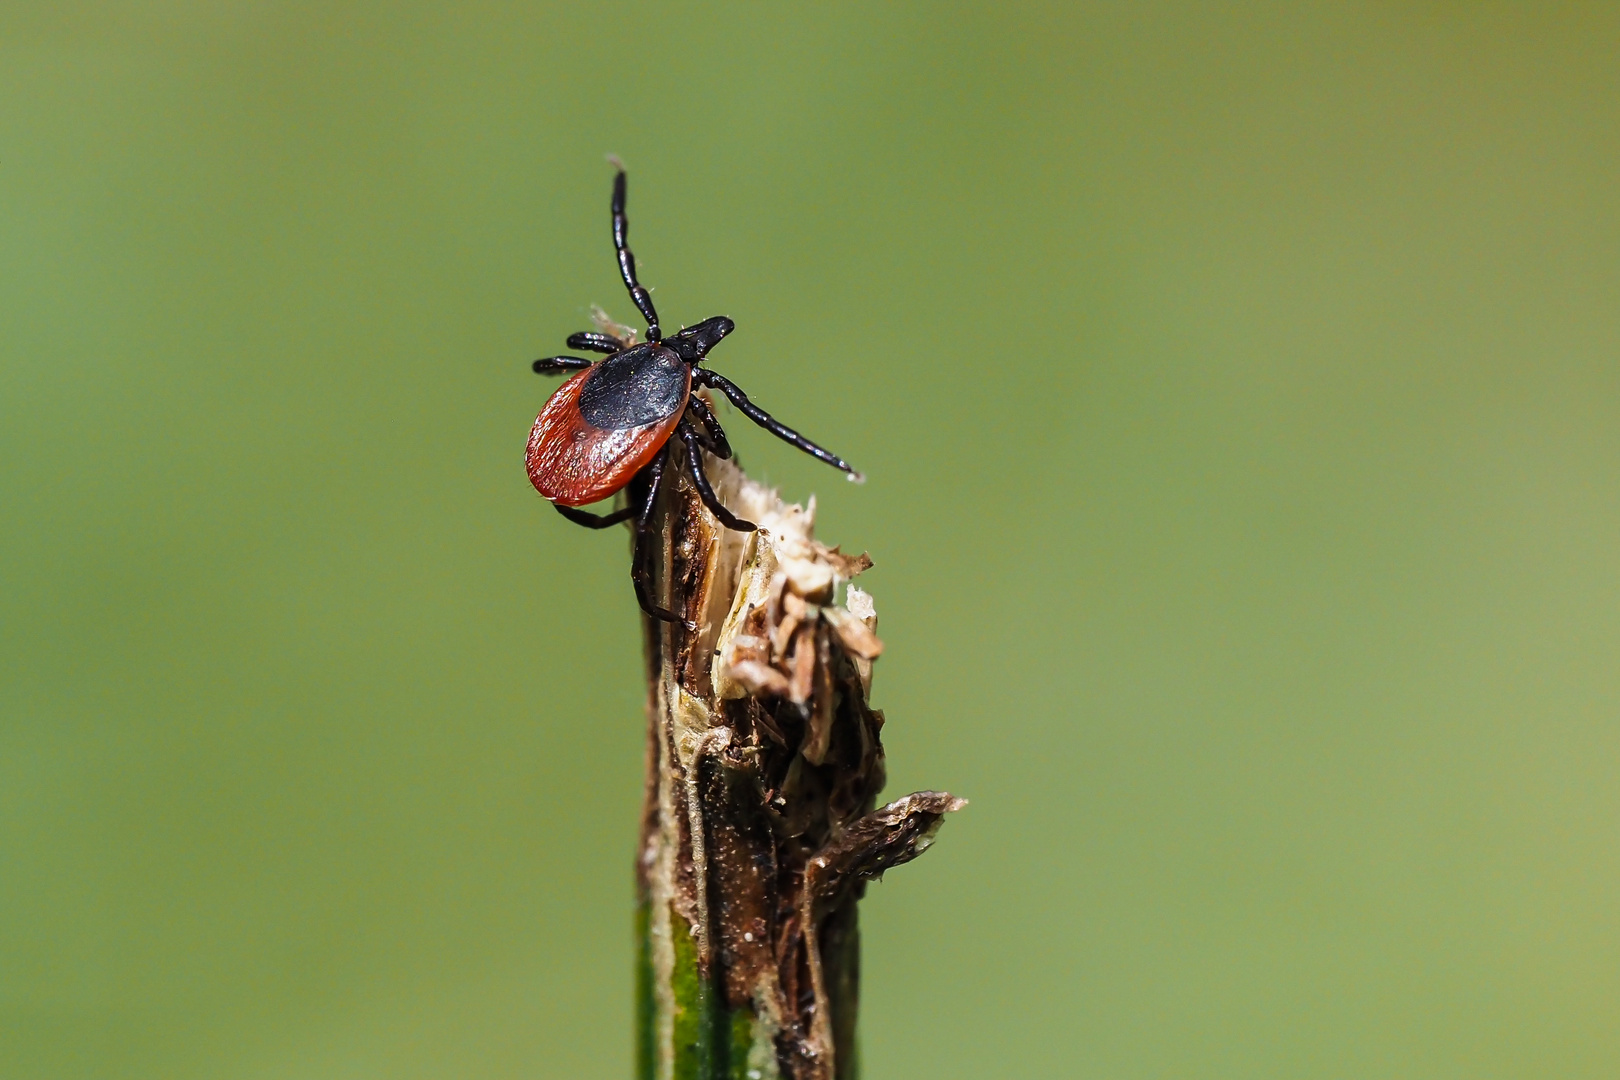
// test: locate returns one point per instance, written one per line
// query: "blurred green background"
(1240, 400)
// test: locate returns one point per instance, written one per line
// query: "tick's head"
(693, 343)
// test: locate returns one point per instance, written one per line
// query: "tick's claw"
(670, 617)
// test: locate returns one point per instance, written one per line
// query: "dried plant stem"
(759, 828)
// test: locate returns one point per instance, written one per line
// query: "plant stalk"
(760, 826)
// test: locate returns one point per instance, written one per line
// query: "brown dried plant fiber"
(764, 761)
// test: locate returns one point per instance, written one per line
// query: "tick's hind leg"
(709, 431)
(595, 521)
(646, 546)
(694, 461)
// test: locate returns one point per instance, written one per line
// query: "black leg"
(639, 575)
(627, 261)
(595, 521)
(605, 343)
(770, 423)
(556, 365)
(640, 572)
(711, 433)
(654, 474)
(694, 460)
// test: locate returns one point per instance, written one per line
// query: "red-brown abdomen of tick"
(573, 463)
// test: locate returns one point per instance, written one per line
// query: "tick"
(605, 429)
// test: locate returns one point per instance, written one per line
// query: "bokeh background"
(1240, 400)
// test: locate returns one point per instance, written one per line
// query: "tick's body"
(609, 424)
(605, 424)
